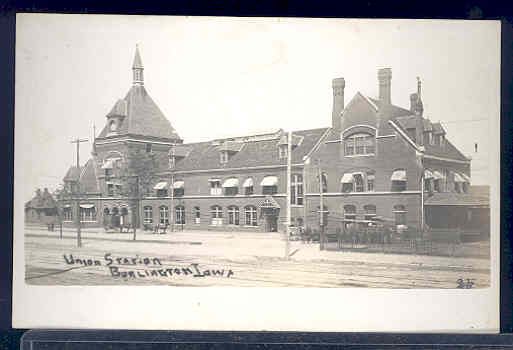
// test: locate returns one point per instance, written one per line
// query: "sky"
(222, 77)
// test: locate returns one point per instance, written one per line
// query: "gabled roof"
(42, 200)
(259, 152)
(143, 117)
(88, 177)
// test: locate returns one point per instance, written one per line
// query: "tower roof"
(137, 59)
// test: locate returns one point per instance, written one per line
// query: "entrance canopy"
(269, 202)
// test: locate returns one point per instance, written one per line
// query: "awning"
(370, 177)
(466, 177)
(398, 175)
(437, 175)
(458, 178)
(109, 164)
(66, 206)
(231, 182)
(113, 183)
(214, 180)
(347, 178)
(160, 186)
(87, 206)
(178, 184)
(269, 181)
(428, 174)
(248, 182)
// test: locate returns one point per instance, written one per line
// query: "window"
(349, 213)
(224, 157)
(428, 138)
(148, 147)
(180, 214)
(370, 212)
(436, 185)
(359, 144)
(398, 179)
(87, 214)
(464, 187)
(248, 190)
(370, 182)
(217, 215)
(172, 162)
(148, 214)
(437, 140)
(400, 214)
(118, 189)
(67, 212)
(215, 188)
(110, 190)
(358, 182)
(178, 192)
(282, 151)
(250, 213)
(197, 215)
(269, 190)
(427, 185)
(162, 192)
(324, 182)
(296, 190)
(446, 180)
(457, 187)
(233, 215)
(164, 215)
(112, 125)
(108, 173)
(412, 133)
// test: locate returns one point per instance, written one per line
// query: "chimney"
(385, 79)
(338, 85)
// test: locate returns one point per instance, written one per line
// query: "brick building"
(375, 160)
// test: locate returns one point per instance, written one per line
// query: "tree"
(137, 175)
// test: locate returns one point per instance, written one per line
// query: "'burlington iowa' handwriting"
(144, 267)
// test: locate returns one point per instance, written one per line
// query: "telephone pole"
(321, 206)
(289, 195)
(78, 141)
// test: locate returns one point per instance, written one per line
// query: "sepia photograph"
(249, 152)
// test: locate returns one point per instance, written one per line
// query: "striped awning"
(437, 175)
(398, 175)
(248, 182)
(459, 178)
(347, 178)
(178, 184)
(269, 181)
(160, 186)
(231, 182)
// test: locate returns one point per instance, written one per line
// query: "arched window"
(359, 144)
(400, 214)
(164, 215)
(398, 179)
(250, 213)
(217, 215)
(358, 182)
(248, 186)
(370, 211)
(180, 214)
(148, 214)
(233, 215)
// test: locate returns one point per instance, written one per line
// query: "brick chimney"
(338, 85)
(385, 85)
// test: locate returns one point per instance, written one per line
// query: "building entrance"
(271, 223)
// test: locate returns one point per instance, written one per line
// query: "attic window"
(282, 151)
(223, 157)
(148, 148)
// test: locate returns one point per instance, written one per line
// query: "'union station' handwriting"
(130, 267)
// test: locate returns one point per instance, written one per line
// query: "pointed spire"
(137, 68)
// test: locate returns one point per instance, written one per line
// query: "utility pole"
(77, 141)
(289, 195)
(321, 206)
(171, 210)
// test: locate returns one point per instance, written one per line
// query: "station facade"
(375, 160)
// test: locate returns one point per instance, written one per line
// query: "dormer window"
(113, 126)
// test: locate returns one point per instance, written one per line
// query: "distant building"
(42, 209)
(377, 160)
